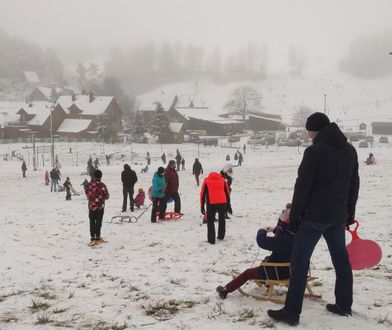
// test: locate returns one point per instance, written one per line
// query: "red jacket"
(96, 193)
(214, 190)
(172, 183)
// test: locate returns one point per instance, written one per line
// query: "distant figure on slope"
(227, 157)
(197, 170)
(281, 246)
(183, 164)
(67, 186)
(97, 194)
(236, 155)
(370, 160)
(244, 147)
(240, 158)
(178, 160)
(96, 163)
(163, 157)
(24, 169)
(47, 178)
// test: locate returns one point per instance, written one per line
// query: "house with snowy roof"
(258, 121)
(44, 94)
(201, 118)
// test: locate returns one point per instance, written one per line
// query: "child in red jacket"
(140, 197)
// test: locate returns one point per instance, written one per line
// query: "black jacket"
(281, 246)
(228, 179)
(326, 190)
(197, 168)
(128, 177)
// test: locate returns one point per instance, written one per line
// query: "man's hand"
(229, 210)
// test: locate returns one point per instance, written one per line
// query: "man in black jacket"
(197, 170)
(325, 196)
(128, 178)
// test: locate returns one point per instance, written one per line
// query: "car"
(234, 138)
(210, 142)
(369, 139)
(383, 139)
(294, 143)
(363, 144)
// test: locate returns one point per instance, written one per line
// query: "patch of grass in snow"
(47, 295)
(165, 309)
(59, 310)
(38, 305)
(44, 319)
(116, 326)
(217, 311)
(13, 293)
(8, 318)
(246, 314)
(267, 324)
(386, 319)
(71, 294)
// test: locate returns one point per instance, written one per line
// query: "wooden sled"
(121, 218)
(269, 284)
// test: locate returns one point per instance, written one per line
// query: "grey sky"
(323, 27)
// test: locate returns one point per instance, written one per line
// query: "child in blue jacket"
(157, 194)
(281, 245)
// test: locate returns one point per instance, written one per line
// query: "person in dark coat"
(197, 170)
(216, 194)
(128, 179)
(171, 189)
(178, 160)
(163, 157)
(281, 246)
(55, 178)
(324, 201)
(24, 169)
(67, 186)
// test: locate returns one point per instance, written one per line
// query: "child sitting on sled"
(281, 245)
(370, 160)
(140, 197)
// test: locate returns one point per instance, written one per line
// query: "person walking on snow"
(183, 164)
(24, 169)
(171, 189)
(96, 163)
(216, 194)
(178, 160)
(197, 170)
(47, 179)
(157, 194)
(163, 157)
(324, 201)
(97, 194)
(67, 186)
(128, 179)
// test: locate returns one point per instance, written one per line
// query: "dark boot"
(333, 308)
(281, 316)
(222, 292)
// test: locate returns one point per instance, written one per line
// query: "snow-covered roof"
(185, 101)
(96, 107)
(47, 91)
(148, 101)
(74, 125)
(31, 76)
(204, 114)
(8, 112)
(175, 127)
(276, 120)
(40, 110)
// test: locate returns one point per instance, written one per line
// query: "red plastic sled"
(363, 253)
(170, 216)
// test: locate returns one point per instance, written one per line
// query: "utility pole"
(325, 103)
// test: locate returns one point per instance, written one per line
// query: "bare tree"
(242, 99)
(301, 113)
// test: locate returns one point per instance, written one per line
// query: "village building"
(382, 128)
(258, 121)
(44, 94)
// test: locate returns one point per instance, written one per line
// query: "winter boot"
(281, 316)
(333, 308)
(222, 292)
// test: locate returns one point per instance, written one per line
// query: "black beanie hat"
(316, 122)
(161, 170)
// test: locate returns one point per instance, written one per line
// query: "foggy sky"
(324, 27)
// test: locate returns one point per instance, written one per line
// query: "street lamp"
(51, 135)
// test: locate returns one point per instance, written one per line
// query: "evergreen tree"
(135, 126)
(107, 129)
(160, 126)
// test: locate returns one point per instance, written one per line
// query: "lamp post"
(51, 135)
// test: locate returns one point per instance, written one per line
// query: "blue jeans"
(306, 238)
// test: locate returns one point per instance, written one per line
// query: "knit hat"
(316, 122)
(283, 224)
(141, 190)
(161, 170)
(172, 162)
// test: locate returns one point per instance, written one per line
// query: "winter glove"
(349, 221)
(229, 210)
(202, 210)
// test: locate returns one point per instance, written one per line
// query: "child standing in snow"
(281, 246)
(370, 160)
(67, 186)
(140, 197)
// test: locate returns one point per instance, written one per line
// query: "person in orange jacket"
(216, 194)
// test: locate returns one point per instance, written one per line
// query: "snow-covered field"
(48, 274)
